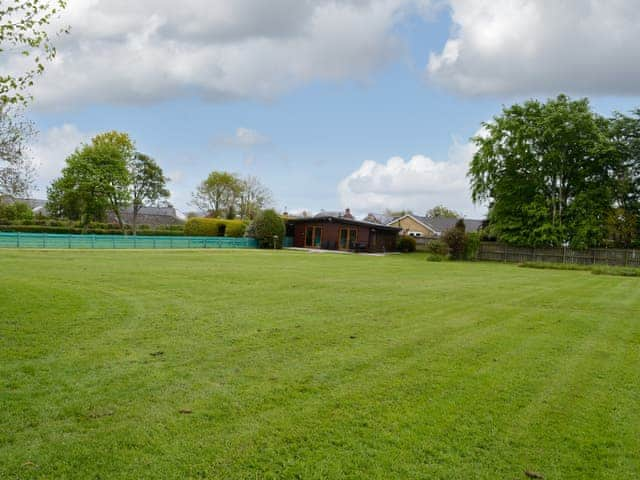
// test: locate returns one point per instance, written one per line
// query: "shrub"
(455, 238)
(77, 229)
(214, 227)
(235, 228)
(16, 211)
(434, 257)
(407, 244)
(471, 246)
(437, 247)
(267, 225)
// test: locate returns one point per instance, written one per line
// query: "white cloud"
(417, 184)
(243, 138)
(541, 46)
(133, 52)
(52, 149)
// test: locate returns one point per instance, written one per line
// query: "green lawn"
(249, 364)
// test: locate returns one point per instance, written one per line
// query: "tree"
(625, 132)
(24, 32)
(456, 238)
(442, 212)
(218, 194)
(266, 227)
(15, 211)
(96, 179)
(397, 213)
(148, 184)
(546, 172)
(253, 197)
(16, 171)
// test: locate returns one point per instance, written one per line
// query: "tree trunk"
(134, 220)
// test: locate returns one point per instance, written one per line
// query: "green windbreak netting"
(46, 240)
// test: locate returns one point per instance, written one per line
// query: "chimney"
(347, 214)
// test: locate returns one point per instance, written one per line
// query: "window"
(348, 239)
(313, 237)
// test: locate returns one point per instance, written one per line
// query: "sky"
(361, 104)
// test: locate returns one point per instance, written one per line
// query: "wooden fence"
(596, 256)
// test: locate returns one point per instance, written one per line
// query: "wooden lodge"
(333, 231)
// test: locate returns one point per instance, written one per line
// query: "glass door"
(348, 239)
(313, 237)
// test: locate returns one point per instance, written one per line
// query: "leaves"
(95, 179)
(24, 31)
(545, 169)
(223, 194)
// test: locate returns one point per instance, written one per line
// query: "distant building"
(431, 227)
(381, 218)
(329, 231)
(152, 216)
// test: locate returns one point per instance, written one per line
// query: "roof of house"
(328, 217)
(158, 211)
(440, 225)
(381, 218)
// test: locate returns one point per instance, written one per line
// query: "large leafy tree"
(148, 185)
(218, 194)
(95, 180)
(625, 222)
(546, 170)
(24, 33)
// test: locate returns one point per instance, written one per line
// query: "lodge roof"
(330, 218)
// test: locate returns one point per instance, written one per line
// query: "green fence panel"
(57, 241)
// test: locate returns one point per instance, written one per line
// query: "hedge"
(214, 227)
(90, 231)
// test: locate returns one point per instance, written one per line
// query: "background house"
(431, 227)
(152, 216)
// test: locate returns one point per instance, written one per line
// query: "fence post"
(69, 241)
(44, 240)
(564, 254)
(17, 239)
(170, 242)
(93, 241)
(154, 242)
(505, 253)
(113, 242)
(189, 242)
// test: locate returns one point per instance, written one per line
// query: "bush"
(455, 238)
(16, 211)
(471, 246)
(437, 247)
(78, 230)
(267, 225)
(434, 257)
(214, 227)
(407, 244)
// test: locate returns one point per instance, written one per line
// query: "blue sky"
(306, 133)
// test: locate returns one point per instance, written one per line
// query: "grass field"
(249, 364)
